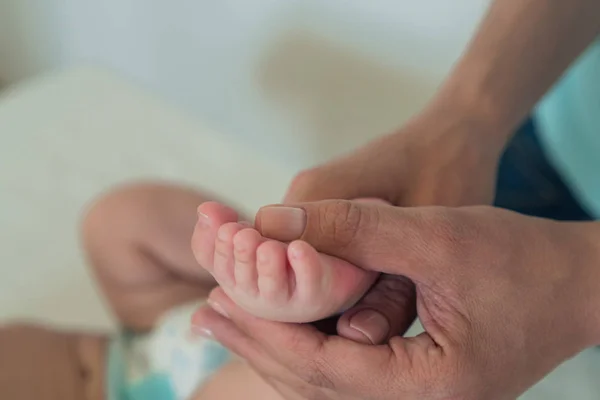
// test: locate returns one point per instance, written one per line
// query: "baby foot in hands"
(270, 279)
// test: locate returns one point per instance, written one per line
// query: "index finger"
(328, 362)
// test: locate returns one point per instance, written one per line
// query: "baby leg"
(137, 239)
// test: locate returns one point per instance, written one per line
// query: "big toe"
(211, 215)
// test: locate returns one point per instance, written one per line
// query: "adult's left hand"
(504, 299)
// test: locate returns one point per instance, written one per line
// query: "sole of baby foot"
(288, 283)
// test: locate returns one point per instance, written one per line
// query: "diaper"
(168, 363)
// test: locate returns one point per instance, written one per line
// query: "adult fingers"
(326, 362)
(388, 309)
(211, 324)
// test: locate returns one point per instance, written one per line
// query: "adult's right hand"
(445, 156)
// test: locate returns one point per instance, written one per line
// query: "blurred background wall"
(334, 73)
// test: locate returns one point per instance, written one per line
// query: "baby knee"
(107, 217)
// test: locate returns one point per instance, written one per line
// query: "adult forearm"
(520, 50)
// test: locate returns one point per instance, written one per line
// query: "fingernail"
(202, 332)
(372, 324)
(282, 223)
(295, 252)
(218, 308)
(203, 220)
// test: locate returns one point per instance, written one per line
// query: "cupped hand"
(504, 299)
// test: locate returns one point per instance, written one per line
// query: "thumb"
(374, 236)
(388, 309)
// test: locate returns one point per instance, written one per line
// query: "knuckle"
(296, 342)
(449, 233)
(305, 177)
(313, 369)
(341, 222)
(392, 292)
(427, 376)
(303, 184)
(314, 374)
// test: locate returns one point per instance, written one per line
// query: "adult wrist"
(493, 121)
(454, 124)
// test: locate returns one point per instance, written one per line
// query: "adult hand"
(445, 156)
(504, 299)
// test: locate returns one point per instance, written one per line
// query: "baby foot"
(270, 279)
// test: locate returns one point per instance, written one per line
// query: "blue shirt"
(569, 128)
